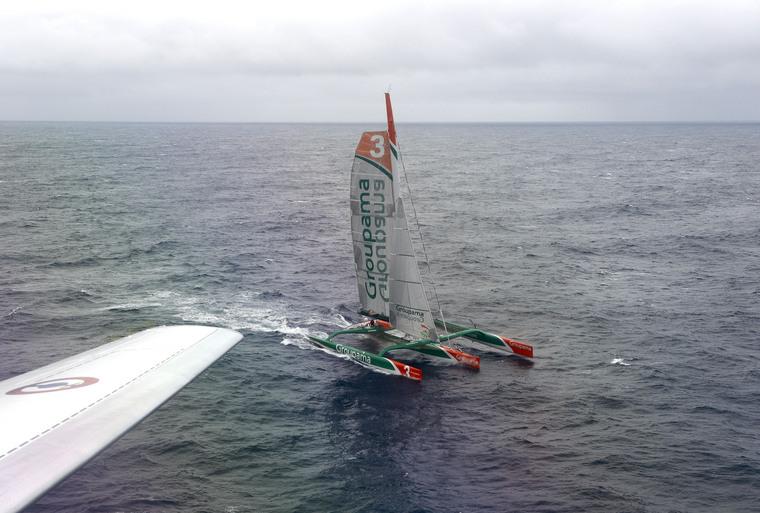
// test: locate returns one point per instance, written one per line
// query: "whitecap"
(130, 306)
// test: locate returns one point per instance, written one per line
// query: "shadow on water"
(518, 361)
(373, 419)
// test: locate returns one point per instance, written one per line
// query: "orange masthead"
(391, 125)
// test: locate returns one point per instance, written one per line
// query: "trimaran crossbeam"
(391, 290)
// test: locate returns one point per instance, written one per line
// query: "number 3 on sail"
(379, 150)
(391, 290)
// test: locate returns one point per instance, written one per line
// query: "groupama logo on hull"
(354, 354)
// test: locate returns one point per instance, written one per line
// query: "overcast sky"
(282, 60)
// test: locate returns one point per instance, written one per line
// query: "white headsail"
(409, 307)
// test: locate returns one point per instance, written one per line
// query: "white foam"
(13, 311)
(130, 306)
(300, 343)
(249, 317)
(619, 361)
(244, 311)
(342, 321)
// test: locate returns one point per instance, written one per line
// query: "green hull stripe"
(378, 166)
(356, 354)
(432, 350)
(472, 334)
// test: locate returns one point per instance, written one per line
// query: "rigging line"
(431, 274)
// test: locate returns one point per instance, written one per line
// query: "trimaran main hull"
(365, 357)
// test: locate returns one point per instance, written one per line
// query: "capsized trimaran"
(391, 290)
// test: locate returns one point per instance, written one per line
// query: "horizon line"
(558, 122)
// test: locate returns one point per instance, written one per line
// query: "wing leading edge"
(56, 418)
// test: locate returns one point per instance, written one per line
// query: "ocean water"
(627, 254)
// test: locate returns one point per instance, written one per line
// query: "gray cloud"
(487, 61)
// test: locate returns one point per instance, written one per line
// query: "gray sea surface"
(627, 254)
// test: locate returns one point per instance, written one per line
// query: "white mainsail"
(372, 205)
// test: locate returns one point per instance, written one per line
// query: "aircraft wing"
(56, 418)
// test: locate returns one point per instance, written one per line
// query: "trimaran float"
(391, 289)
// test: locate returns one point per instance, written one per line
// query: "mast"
(391, 124)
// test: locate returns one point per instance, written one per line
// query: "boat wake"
(301, 339)
(258, 312)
